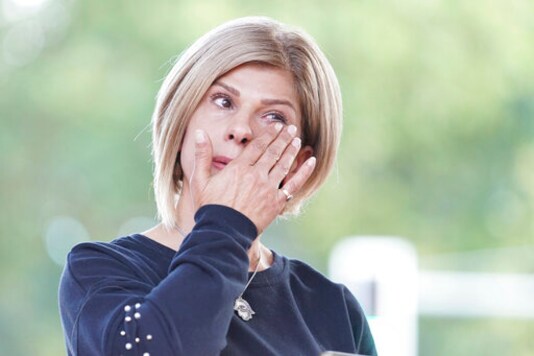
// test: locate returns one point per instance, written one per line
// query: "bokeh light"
(62, 233)
(30, 26)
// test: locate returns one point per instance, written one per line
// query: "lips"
(220, 162)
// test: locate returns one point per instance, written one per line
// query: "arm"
(189, 312)
(363, 339)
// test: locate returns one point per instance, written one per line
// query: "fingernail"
(311, 161)
(296, 142)
(292, 129)
(199, 136)
(278, 126)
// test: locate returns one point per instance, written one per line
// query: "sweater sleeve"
(108, 310)
(365, 344)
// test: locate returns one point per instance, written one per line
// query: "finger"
(298, 179)
(257, 146)
(283, 166)
(203, 158)
(276, 148)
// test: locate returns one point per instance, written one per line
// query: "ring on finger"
(287, 194)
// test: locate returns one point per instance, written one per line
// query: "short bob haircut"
(234, 43)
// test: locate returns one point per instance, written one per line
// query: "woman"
(246, 127)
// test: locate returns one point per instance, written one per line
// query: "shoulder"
(85, 255)
(122, 249)
(94, 253)
(88, 266)
(305, 276)
(93, 248)
(332, 301)
(307, 273)
(88, 262)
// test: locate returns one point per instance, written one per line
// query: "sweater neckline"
(267, 277)
(271, 275)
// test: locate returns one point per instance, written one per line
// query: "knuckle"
(289, 187)
(285, 168)
(273, 151)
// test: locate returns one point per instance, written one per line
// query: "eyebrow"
(227, 87)
(278, 102)
(236, 92)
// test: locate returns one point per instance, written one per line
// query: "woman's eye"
(222, 101)
(273, 116)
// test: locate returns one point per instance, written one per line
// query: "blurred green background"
(438, 142)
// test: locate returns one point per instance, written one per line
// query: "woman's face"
(237, 108)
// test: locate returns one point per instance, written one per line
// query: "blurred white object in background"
(476, 294)
(382, 273)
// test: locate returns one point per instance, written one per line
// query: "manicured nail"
(199, 136)
(292, 129)
(296, 142)
(311, 161)
(278, 126)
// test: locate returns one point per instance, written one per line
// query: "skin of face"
(237, 108)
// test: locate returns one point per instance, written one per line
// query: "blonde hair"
(245, 40)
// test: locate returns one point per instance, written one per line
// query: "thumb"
(203, 157)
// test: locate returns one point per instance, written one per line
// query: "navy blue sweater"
(134, 296)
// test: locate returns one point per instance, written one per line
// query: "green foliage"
(437, 145)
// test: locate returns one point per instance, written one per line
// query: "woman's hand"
(250, 183)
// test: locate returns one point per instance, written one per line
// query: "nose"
(239, 131)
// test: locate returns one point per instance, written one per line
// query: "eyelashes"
(276, 116)
(222, 100)
(225, 102)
